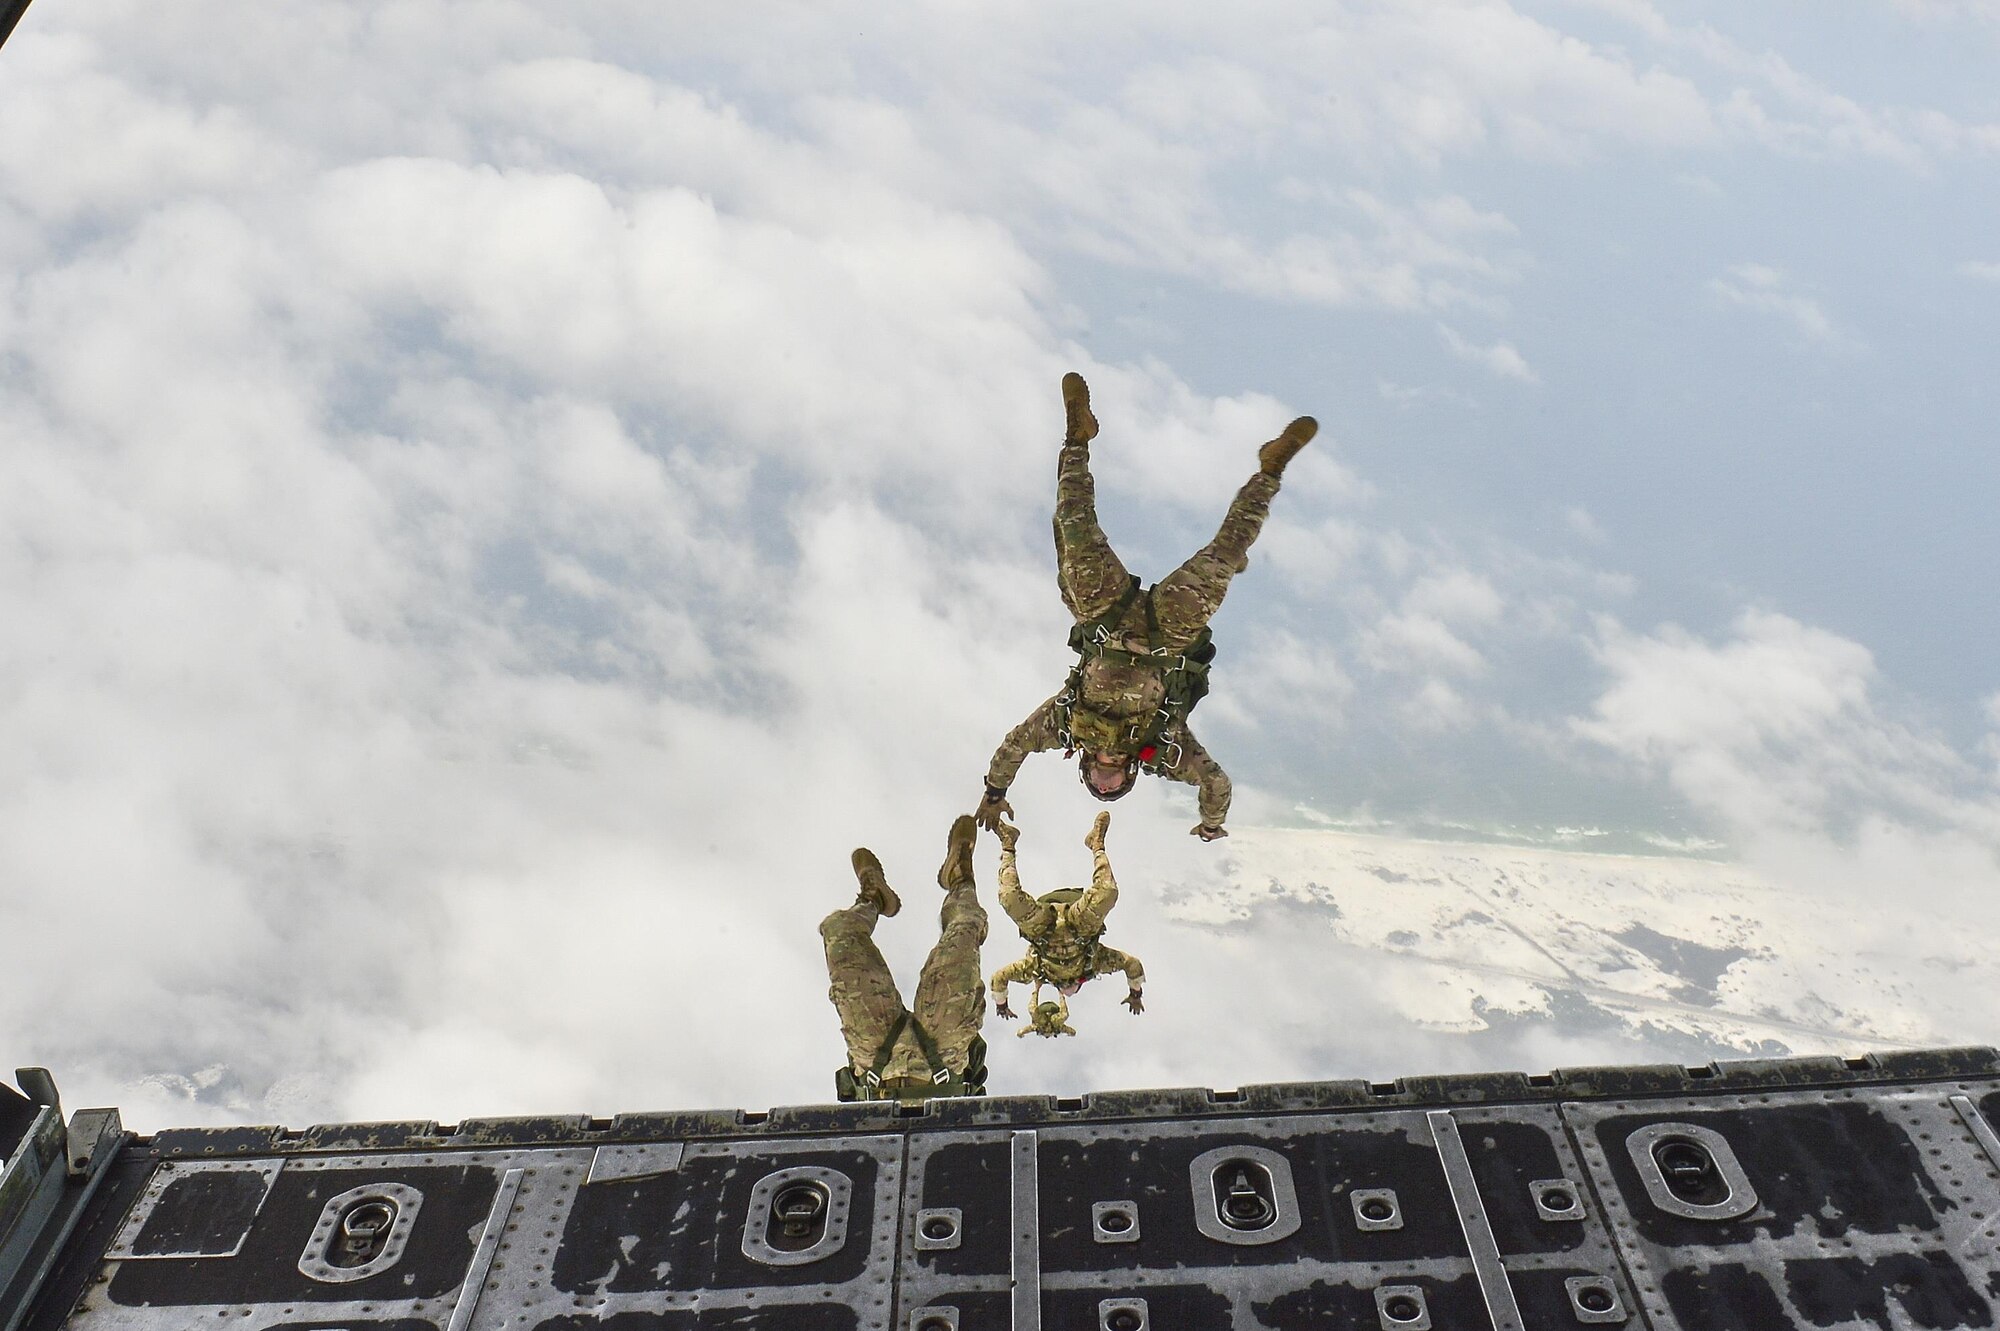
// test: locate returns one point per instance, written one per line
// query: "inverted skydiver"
(1142, 653)
(1064, 930)
(931, 1047)
(1048, 1020)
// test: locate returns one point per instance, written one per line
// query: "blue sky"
(467, 457)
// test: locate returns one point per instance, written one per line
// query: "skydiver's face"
(1107, 773)
(1068, 989)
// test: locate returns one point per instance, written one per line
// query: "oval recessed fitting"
(360, 1233)
(1244, 1195)
(1690, 1172)
(797, 1216)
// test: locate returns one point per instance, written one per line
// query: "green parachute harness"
(1183, 677)
(943, 1081)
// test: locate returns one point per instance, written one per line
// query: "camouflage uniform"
(1118, 699)
(1064, 937)
(949, 1004)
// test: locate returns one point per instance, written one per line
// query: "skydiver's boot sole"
(1272, 457)
(957, 867)
(1081, 425)
(874, 883)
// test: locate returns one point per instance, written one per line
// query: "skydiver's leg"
(863, 991)
(1090, 910)
(1091, 575)
(1028, 914)
(951, 1000)
(1188, 598)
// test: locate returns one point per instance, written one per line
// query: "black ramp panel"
(1725, 1297)
(683, 1230)
(1322, 1306)
(1153, 1170)
(456, 1200)
(1828, 1168)
(1505, 1159)
(1166, 1305)
(1870, 1207)
(205, 1213)
(1926, 1289)
(1398, 1156)
(975, 1177)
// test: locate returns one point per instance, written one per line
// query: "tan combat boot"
(957, 867)
(1082, 426)
(1272, 457)
(874, 885)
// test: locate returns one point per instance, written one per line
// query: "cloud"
(1982, 269)
(1797, 114)
(1776, 735)
(1500, 358)
(1765, 290)
(1579, 520)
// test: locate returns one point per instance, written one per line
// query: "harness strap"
(888, 1049)
(906, 1020)
(1183, 676)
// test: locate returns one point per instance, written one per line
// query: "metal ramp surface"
(1756, 1196)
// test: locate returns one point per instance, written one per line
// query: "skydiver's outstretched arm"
(1192, 765)
(1110, 959)
(1034, 735)
(1023, 971)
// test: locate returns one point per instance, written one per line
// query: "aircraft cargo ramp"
(1813, 1192)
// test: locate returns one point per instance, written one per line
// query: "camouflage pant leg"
(1089, 571)
(1090, 910)
(863, 990)
(1188, 598)
(1030, 916)
(951, 994)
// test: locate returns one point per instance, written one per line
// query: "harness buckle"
(1173, 761)
(941, 1076)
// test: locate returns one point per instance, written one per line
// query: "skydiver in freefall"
(932, 1046)
(1142, 653)
(1064, 930)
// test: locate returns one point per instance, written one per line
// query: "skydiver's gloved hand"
(1207, 833)
(1094, 838)
(1135, 1000)
(1002, 1011)
(1008, 834)
(987, 815)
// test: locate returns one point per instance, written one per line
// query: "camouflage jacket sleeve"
(1110, 959)
(1198, 769)
(1014, 972)
(1033, 735)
